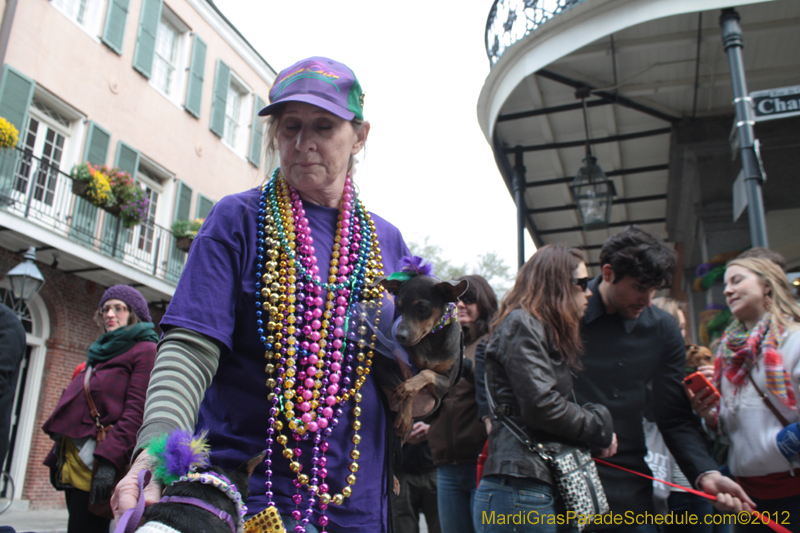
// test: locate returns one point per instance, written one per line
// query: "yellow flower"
(9, 135)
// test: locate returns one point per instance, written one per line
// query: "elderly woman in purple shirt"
(263, 347)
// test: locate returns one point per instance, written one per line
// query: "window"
(233, 114)
(170, 59)
(236, 122)
(152, 187)
(164, 63)
(44, 140)
(232, 110)
(84, 13)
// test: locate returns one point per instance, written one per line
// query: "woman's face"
(580, 295)
(315, 148)
(745, 294)
(115, 314)
(468, 312)
(682, 323)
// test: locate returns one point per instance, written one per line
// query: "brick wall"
(71, 302)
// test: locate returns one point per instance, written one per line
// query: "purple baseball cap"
(322, 82)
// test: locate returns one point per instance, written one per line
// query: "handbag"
(573, 470)
(101, 509)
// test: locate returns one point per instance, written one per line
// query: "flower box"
(184, 243)
(79, 188)
(112, 190)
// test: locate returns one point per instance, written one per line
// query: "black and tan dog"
(198, 506)
(432, 337)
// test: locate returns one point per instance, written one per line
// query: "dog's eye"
(422, 308)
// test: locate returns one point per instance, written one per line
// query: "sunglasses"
(468, 298)
(583, 283)
(117, 309)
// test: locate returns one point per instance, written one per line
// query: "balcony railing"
(35, 190)
(511, 20)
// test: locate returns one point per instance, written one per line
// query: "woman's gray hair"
(271, 143)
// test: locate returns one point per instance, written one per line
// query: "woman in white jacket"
(757, 371)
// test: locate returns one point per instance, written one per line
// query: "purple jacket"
(119, 389)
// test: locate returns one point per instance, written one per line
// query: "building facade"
(166, 90)
(647, 86)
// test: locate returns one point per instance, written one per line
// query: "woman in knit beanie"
(87, 460)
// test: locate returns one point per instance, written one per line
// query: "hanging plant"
(185, 231)
(9, 134)
(113, 190)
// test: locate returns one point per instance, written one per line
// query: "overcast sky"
(427, 168)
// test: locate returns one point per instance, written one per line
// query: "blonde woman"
(757, 371)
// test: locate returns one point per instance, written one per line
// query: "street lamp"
(591, 189)
(26, 280)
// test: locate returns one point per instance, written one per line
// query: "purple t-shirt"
(216, 297)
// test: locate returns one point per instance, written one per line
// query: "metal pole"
(732, 42)
(519, 199)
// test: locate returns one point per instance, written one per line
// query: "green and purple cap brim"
(322, 82)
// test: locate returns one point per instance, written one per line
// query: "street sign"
(776, 103)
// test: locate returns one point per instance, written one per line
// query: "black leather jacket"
(528, 377)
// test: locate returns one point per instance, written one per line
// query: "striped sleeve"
(185, 365)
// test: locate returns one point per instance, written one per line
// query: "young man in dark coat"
(628, 344)
(12, 348)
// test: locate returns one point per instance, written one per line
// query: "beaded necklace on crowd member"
(316, 358)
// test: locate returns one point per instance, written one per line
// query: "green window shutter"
(146, 38)
(183, 204)
(221, 85)
(194, 93)
(97, 142)
(257, 137)
(16, 95)
(114, 29)
(204, 206)
(127, 159)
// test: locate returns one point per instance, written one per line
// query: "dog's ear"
(451, 290)
(248, 466)
(391, 285)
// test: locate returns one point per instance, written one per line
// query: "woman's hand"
(707, 371)
(704, 403)
(127, 492)
(611, 450)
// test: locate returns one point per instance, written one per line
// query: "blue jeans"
(505, 504)
(455, 490)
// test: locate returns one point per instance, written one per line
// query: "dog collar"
(229, 489)
(450, 315)
(197, 502)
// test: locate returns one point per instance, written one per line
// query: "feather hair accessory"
(178, 453)
(412, 266)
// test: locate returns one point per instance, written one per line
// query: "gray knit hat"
(132, 298)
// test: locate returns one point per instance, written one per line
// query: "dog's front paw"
(402, 426)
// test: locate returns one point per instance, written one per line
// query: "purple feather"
(181, 453)
(417, 266)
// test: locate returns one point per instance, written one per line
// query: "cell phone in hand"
(697, 383)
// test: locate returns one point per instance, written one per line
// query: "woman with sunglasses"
(82, 463)
(456, 434)
(534, 348)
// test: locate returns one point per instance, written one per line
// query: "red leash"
(764, 518)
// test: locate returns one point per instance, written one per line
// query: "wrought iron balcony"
(511, 20)
(39, 192)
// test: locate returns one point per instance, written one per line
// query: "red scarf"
(740, 350)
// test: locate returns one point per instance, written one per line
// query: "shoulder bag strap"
(513, 427)
(768, 403)
(92, 407)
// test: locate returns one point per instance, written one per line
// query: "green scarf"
(119, 341)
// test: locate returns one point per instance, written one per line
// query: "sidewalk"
(37, 521)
